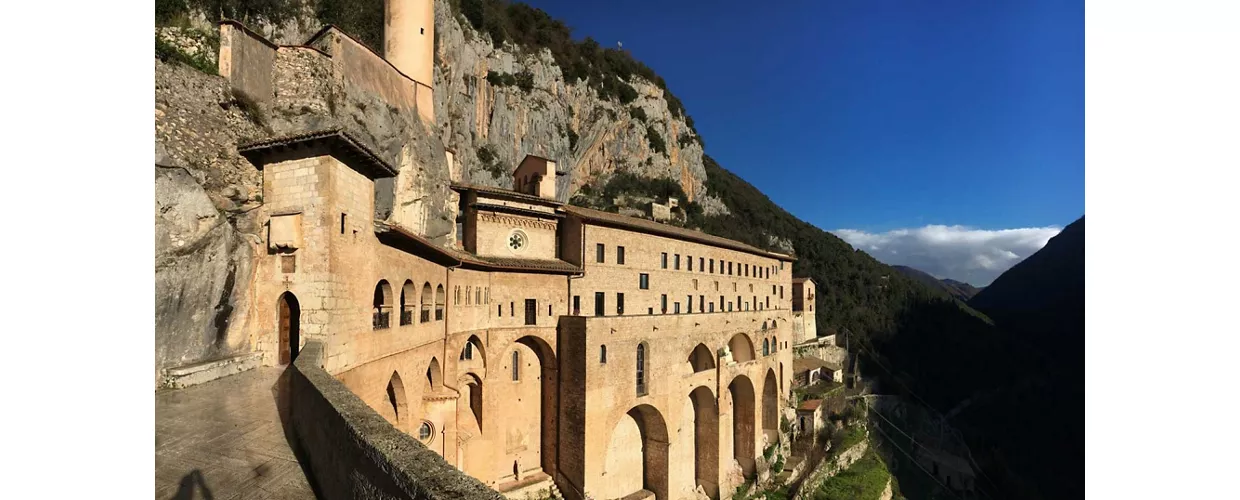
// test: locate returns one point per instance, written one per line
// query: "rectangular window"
(702, 303)
(602, 252)
(548, 309)
(663, 303)
(677, 262)
(712, 307)
(712, 266)
(690, 259)
(643, 281)
(342, 223)
(600, 301)
(512, 310)
(781, 291)
(619, 304)
(677, 306)
(620, 255)
(499, 311)
(576, 305)
(701, 264)
(664, 260)
(729, 269)
(531, 311)
(689, 301)
(721, 303)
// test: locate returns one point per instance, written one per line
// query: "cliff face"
(541, 119)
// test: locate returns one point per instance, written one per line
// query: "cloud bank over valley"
(974, 256)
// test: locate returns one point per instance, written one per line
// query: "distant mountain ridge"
(958, 289)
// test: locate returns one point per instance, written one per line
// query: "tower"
(409, 44)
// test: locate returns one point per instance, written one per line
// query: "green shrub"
(490, 161)
(637, 112)
(361, 19)
(525, 80)
(168, 52)
(656, 140)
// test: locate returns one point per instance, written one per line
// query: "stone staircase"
(535, 487)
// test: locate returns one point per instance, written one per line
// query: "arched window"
(774, 344)
(439, 299)
(641, 369)
(516, 366)
(408, 296)
(766, 347)
(427, 299)
(432, 375)
(383, 305)
(602, 353)
(468, 295)
(477, 295)
(468, 352)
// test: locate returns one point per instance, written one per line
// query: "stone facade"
(540, 341)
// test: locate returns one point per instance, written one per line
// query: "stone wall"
(246, 60)
(830, 468)
(353, 452)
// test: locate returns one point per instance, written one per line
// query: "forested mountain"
(958, 289)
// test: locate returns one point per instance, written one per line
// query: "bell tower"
(409, 44)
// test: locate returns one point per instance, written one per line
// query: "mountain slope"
(1046, 291)
(958, 289)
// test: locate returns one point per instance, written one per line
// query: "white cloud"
(975, 256)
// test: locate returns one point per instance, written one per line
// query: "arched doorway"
(742, 348)
(399, 410)
(548, 376)
(743, 449)
(770, 408)
(637, 455)
(289, 327)
(705, 440)
(701, 359)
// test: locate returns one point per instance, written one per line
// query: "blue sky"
(876, 116)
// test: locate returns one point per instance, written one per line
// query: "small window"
(600, 253)
(499, 310)
(712, 307)
(690, 259)
(663, 302)
(602, 354)
(531, 311)
(576, 305)
(676, 262)
(619, 304)
(712, 266)
(664, 261)
(516, 366)
(548, 309)
(689, 304)
(512, 310)
(641, 369)
(643, 281)
(424, 431)
(701, 264)
(620, 255)
(600, 300)
(342, 218)
(695, 283)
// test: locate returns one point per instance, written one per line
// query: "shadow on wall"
(282, 391)
(194, 481)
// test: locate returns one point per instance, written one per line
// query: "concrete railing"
(353, 452)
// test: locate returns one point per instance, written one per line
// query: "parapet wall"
(354, 452)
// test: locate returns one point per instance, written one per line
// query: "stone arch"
(742, 348)
(701, 359)
(637, 457)
(549, 398)
(397, 403)
(408, 302)
(705, 440)
(428, 299)
(288, 325)
(471, 389)
(382, 305)
(473, 352)
(770, 407)
(743, 447)
(434, 376)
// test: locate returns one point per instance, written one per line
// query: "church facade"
(613, 356)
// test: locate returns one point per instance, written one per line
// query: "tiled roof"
(809, 363)
(404, 239)
(505, 193)
(341, 144)
(810, 405)
(652, 227)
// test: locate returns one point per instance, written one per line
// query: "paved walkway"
(223, 440)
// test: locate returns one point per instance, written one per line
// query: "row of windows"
(741, 269)
(600, 304)
(381, 315)
(769, 347)
(474, 295)
(643, 282)
(705, 265)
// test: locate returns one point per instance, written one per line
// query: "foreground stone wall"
(353, 452)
